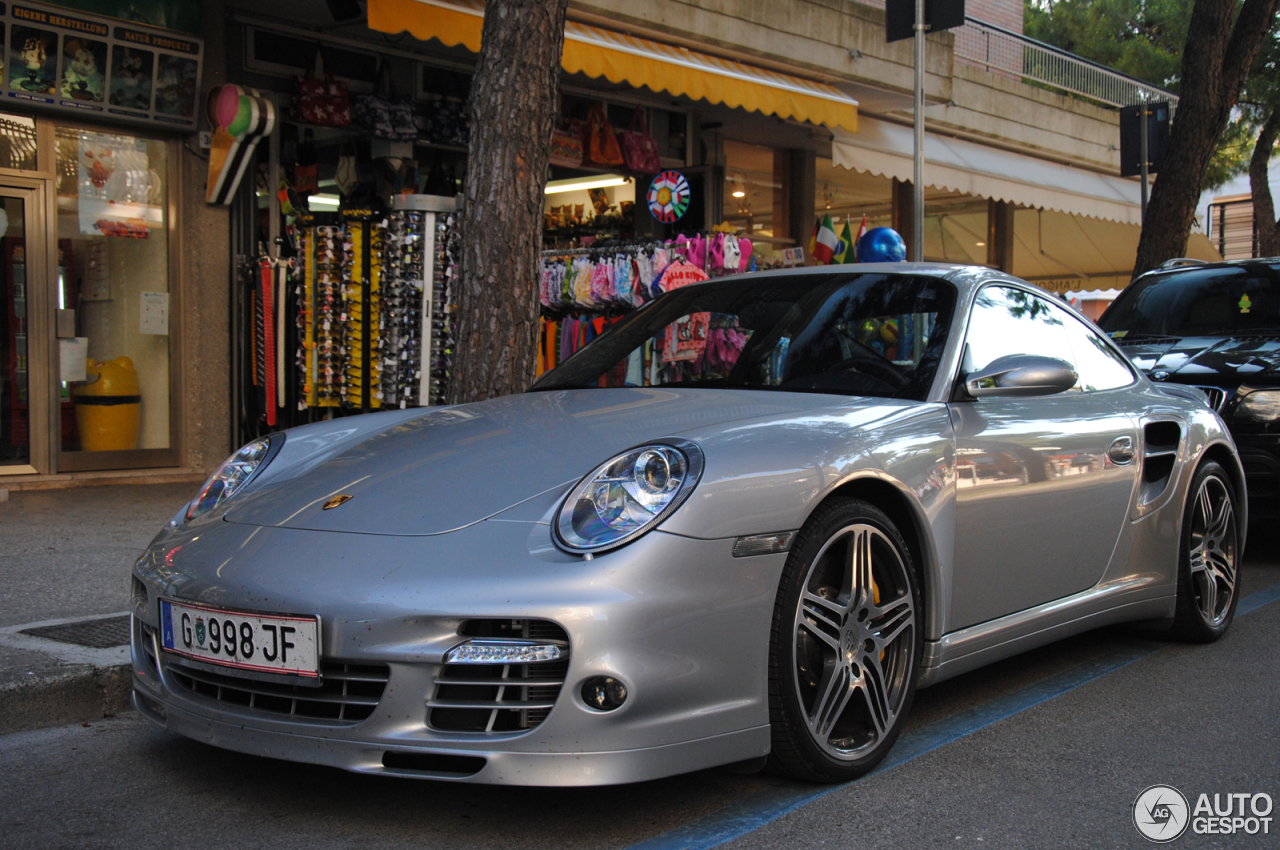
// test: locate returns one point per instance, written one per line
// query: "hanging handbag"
(566, 144)
(306, 173)
(566, 148)
(321, 101)
(384, 114)
(599, 142)
(344, 175)
(639, 148)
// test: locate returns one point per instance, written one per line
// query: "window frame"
(958, 393)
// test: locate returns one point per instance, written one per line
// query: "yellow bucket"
(109, 410)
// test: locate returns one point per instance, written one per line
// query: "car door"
(1040, 496)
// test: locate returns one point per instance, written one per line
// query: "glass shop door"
(24, 437)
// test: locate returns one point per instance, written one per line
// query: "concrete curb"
(77, 695)
(86, 683)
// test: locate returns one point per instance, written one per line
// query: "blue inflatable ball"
(881, 245)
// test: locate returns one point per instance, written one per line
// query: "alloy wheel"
(854, 639)
(1213, 550)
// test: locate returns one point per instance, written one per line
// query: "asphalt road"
(1049, 749)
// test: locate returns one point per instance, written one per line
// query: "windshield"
(853, 334)
(1198, 302)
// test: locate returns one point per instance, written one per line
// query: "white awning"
(885, 149)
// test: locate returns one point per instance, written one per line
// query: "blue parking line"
(769, 804)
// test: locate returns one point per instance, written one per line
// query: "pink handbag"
(639, 150)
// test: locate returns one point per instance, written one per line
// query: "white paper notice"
(72, 354)
(155, 313)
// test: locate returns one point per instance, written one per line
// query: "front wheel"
(1208, 558)
(845, 646)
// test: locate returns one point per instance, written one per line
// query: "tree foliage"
(1144, 39)
(1141, 38)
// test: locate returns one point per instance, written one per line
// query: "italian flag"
(824, 241)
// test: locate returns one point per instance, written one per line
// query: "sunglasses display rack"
(374, 310)
(445, 255)
(319, 357)
(361, 316)
(404, 308)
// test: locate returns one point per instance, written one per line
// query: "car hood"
(1213, 360)
(450, 468)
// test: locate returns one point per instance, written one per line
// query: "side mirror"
(1021, 375)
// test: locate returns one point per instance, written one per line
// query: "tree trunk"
(514, 98)
(1264, 210)
(1215, 62)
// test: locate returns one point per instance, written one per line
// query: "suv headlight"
(627, 495)
(235, 472)
(1259, 406)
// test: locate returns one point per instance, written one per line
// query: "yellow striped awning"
(619, 57)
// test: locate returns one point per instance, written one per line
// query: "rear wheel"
(1208, 563)
(845, 646)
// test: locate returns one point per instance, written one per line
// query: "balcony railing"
(1005, 52)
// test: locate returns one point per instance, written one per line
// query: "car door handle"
(1121, 450)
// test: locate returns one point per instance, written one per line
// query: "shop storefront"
(647, 137)
(91, 112)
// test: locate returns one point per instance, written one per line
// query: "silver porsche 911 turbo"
(743, 525)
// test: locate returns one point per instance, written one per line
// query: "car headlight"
(1259, 406)
(627, 495)
(235, 472)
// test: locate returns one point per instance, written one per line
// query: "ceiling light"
(739, 194)
(329, 201)
(576, 183)
(980, 244)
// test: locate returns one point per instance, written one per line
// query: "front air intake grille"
(498, 697)
(1216, 395)
(146, 637)
(348, 693)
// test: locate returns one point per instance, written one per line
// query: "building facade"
(147, 342)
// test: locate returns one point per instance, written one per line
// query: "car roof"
(964, 277)
(1272, 262)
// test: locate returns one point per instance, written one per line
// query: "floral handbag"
(321, 101)
(639, 148)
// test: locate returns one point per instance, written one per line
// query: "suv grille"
(498, 697)
(1216, 395)
(348, 693)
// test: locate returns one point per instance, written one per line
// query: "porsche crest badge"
(340, 499)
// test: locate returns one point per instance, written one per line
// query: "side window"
(1010, 321)
(1100, 368)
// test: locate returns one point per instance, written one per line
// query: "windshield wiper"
(1143, 337)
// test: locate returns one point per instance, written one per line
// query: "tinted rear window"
(1198, 302)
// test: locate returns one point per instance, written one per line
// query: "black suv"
(1215, 326)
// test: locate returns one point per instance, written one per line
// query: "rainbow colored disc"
(669, 196)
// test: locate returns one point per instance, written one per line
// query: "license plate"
(267, 643)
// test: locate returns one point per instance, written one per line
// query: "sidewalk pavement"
(65, 555)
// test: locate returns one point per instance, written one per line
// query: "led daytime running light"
(504, 652)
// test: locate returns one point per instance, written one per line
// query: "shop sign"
(793, 256)
(89, 65)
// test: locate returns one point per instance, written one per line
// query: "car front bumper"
(680, 621)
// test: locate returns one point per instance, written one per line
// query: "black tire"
(1208, 557)
(836, 723)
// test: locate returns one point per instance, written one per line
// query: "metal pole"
(917, 217)
(1142, 154)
